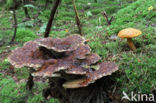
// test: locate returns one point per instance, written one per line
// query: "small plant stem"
(131, 45)
(77, 18)
(15, 23)
(109, 21)
(30, 82)
(51, 19)
(26, 9)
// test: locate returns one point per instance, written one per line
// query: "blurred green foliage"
(24, 35)
(9, 3)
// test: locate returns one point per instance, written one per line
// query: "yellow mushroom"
(129, 33)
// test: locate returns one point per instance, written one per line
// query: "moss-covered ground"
(137, 70)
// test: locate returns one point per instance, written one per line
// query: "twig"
(109, 21)
(50, 22)
(77, 18)
(15, 23)
(26, 9)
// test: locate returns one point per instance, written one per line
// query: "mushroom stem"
(131, 45)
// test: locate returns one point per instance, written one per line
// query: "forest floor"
(137, 70)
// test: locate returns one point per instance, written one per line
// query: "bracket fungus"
(105, 69)
(67, 63)
(29, 55)
(69, 43)
(129, 33)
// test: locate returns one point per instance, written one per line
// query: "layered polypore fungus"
(68, 59)
(104, 69)
(69, 43)
(129, 33)
(29, 55)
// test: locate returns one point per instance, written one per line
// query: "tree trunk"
(25, 9)
(15, 23)
(50, 22)
(77, 18)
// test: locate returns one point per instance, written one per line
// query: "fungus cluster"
(69, 59)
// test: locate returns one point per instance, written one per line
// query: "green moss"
(134, 15)
(10, 92)
(138, 73)
(44, 15)
(9, 3)
(24, 35)
(4, 64)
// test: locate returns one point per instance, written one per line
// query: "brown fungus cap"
(69, 43)
(77, 70)
(82, 66)
(65, 64)
(69, 64)
(78, 55)
(129, 33)
(91, 59)
(105, 69)
(81, 52)
(48, 69)
(29, 55)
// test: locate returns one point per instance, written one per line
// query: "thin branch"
(50, 22)
(15, 23)
(26, 9)
(109, 21)
(77, 18)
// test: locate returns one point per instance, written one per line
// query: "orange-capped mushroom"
(129, 33)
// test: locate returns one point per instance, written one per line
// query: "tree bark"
(50, 22)
(77, 18)
(15, 23)
(25, 9)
